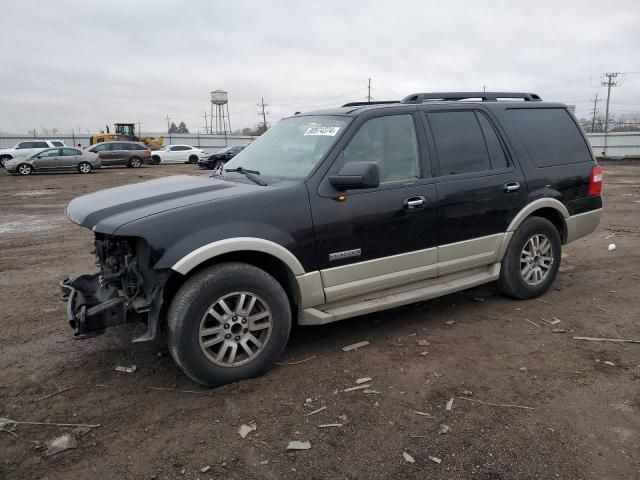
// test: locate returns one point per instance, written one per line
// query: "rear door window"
(550, 136)
(459, 142)
(70, 152)
(496, 152)
(40, 145)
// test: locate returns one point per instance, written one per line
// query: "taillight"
(147, 152)
(595, 181)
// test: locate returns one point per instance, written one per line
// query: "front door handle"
(414, 203)
(511, 187)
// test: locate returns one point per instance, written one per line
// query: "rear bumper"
(582, 224)
(92, 308)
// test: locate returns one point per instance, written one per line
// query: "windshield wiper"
(250, 174)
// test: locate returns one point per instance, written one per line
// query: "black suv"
(337, 213)
(130, 154)
(216, 160)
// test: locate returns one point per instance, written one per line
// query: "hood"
(107, 210)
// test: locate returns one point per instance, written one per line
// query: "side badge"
(346, 254)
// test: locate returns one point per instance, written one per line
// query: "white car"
(177, 154)
(28, 148)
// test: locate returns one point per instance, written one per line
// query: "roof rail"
(360, 104)
(484, 96)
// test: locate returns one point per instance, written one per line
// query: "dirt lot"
(584, 421)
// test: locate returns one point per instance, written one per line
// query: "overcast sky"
(70, 64)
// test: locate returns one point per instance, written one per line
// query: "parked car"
(219, 158)
(177, 154)
(27, 148)
(66, 158)
(338, 213)
(131, 154)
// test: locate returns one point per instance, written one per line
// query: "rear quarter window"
(550, 136)
(58, 144)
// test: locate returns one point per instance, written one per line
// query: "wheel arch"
(270, 263)
(548, 208)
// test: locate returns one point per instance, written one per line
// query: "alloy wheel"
(235, 329)
(536, 259)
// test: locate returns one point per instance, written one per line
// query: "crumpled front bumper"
(91, 308)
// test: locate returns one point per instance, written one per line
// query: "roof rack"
(484, 96)
(360, 104)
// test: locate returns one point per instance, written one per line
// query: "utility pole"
(139, 127)
(609, 82)
(205, 122)
(595, 109)
(264, 113)
(369, 92)
(169, 128)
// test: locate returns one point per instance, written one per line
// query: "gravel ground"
(584, 397)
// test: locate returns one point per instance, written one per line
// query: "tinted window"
(496, 153)
(550, 136)
(101, 148)
(54, 152)
(40, 145)
(23, 145)
(180, 148)
(459, 142)
(135, 146)
(57, 144)
(391, 142)
(69, 152)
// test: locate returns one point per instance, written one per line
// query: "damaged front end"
(125, 289)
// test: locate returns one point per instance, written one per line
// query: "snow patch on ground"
(30, 223)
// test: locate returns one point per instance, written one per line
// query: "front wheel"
(135, 162)
(4, 159)
(193, 159)
(25, 169)
(84, 167)
(227, 323)
(532, 260)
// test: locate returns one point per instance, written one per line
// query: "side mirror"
(356, 175)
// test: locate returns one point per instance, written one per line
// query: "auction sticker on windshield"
(329, 131)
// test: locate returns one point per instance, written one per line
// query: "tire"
(188, 319)
(84, 167)
(135, 162)
(3, 159)
(155, 160)
(25, 169)
(193, 159)
(532, 260)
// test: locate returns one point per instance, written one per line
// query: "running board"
(398, 296)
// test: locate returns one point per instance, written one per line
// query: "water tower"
(220, 100)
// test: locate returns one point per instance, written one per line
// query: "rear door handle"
(511, 187)
(414, 203)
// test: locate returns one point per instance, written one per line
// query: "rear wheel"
(532, 259)
(227, 323)
(135, 162)
(84, 167)
(25, 169)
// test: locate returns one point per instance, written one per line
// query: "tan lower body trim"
(582, 224)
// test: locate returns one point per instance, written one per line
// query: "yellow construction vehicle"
(126, 131)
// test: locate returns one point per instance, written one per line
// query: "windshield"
(291, 149)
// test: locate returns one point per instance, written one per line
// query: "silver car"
(65, 158)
